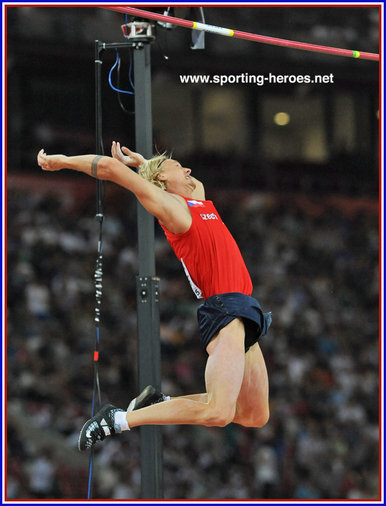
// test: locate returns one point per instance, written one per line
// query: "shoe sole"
(80, 436)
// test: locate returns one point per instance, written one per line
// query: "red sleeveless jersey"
(210, 256)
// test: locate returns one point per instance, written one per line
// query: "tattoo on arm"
(94, 166)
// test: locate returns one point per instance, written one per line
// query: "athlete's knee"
(257, 419)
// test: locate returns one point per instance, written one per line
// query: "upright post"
(149, 350)
(149, 353)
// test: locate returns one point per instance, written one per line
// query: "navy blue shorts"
(219, 310)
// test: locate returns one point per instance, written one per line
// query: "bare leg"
(252, 404)
(223, 377)
(195, 397)
(237, 390)
(252, 409)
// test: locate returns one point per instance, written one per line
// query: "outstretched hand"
(129, 158)
(50, 162)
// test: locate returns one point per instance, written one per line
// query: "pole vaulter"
(245, 35)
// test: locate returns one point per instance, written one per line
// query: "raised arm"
(164, 206)
(199, 191)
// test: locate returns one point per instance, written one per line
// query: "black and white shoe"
(98, 427)
(148, 396)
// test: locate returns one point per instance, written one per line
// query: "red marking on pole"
(250, 36)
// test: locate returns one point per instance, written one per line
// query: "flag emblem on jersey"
(195, 203)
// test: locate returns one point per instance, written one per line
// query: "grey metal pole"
(149, 352)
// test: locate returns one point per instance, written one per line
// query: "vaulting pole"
(245, 35)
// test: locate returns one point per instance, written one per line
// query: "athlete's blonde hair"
(151, 168)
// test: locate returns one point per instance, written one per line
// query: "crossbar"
(245, 35)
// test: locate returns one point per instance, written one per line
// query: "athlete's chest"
(203, 211)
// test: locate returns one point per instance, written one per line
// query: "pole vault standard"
(149, 352)
(245, 35)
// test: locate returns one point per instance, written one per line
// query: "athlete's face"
(174, 175)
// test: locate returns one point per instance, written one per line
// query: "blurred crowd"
(314, 264)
